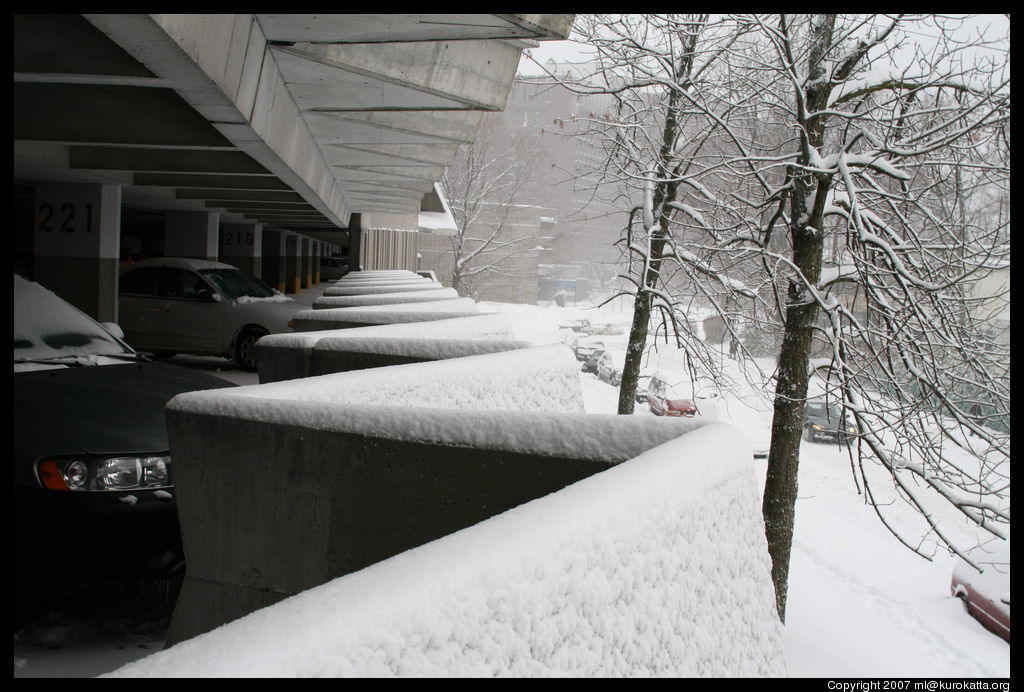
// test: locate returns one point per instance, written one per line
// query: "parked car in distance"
(580, 326)
(590, 364)
(93, 476)
(662, 401)
(610, 365)
(177, 305)
(986, 594)
(643, 383)
(584, 348)
(824, 421)
(333, 268)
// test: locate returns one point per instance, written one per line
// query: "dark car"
(824, 421)
(643, 384)
(585, 348)
(986, 594)
(93, 477)
(590, 364)
(610, 366)
(333, 268)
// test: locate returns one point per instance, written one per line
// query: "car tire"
(245, 347)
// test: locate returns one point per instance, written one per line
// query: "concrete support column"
(355, 243)
(192, 234)
(305, 261)
(318, 252)
(241, 244)
(273, 260)
(76, 245)
(292, 263)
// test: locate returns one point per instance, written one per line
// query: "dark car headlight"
(143, 472)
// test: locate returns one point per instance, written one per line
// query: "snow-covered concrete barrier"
(347, 318)
(384, 298)
(282, 486)
(653, 567)
(368, 287)
(302, 354)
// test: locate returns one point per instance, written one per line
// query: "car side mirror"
(208, 296)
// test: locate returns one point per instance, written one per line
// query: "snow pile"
(384, 298)
(655, 567)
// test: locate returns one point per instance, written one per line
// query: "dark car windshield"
(235, 283)
(46, 327)
(817, 409)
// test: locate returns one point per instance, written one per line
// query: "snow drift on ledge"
(656, 567)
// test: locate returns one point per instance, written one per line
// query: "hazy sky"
(991, 25)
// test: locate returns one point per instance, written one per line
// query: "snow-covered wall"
(345, 318)
(655, 567)
(541, 378)
(375, 287)
(298, 354)
(384, 298)
(285, 485)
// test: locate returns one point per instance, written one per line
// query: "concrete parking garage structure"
(243, 136)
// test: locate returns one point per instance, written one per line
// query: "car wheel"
(808, 435)
(245, 347)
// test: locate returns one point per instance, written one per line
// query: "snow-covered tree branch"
(841, 184)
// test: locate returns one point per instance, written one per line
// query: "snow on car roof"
(40, 314)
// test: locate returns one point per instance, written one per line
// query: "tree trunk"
(807, 208)
(638, 331)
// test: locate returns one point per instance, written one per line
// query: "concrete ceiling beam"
(390, 155)
(223, 61)
(427, 76)
(444, 126)
(371, 28)
(213, 180)
(162, 160)
(107, 114)
(237, 195)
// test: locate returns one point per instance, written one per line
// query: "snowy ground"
(860, 604)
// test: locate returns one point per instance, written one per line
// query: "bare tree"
(841, 180)
(488, 182)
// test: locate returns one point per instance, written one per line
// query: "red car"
(662, 403)
(672, 407)
(986, 594)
